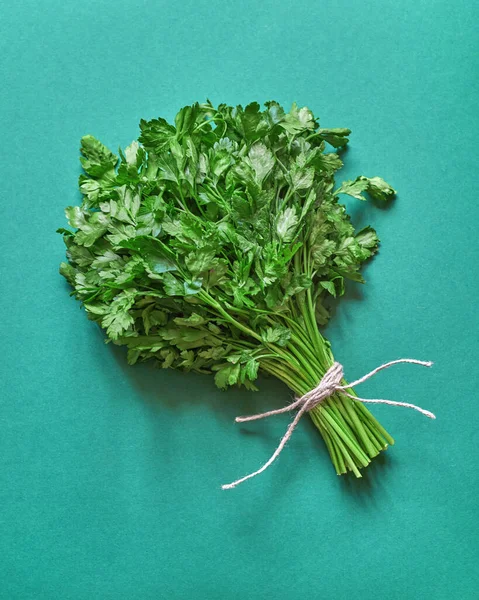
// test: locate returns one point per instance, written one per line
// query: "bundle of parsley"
(214, 244)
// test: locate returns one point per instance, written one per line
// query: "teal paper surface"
(110, 475)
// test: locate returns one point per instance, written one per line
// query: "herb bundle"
(214, 245)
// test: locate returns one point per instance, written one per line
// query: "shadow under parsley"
(366, 490)
(171, 388)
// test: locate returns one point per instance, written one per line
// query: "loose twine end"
(329, 384)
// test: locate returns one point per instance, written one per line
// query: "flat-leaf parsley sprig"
(213, 245)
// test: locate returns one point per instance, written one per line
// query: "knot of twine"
(329, 384)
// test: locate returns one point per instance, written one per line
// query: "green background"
(110, 475)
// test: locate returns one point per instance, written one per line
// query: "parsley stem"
(343, 434)
(318, 341)
(342, 449)
(312, 358)
(201, 125)
(357, 425)
(334, 452)
(297, 384)
(305, 364)
(372, 421)
(205, 296)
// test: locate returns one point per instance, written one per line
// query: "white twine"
(329, 384)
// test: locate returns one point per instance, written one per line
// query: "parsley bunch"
(213, 245)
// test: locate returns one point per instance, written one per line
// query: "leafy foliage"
(213, 244)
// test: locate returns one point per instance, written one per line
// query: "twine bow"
(329, 384)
